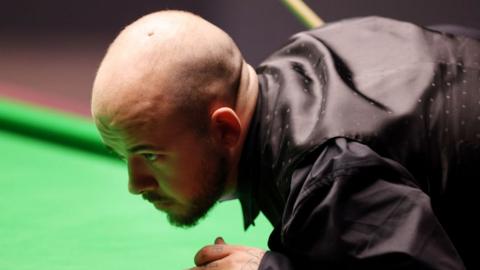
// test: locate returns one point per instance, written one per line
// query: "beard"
(212, 187)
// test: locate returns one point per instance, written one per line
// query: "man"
(359, 140)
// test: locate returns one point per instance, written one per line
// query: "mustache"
(152, 197)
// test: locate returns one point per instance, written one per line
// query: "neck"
(245, 107)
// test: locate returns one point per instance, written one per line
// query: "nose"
(140, 178)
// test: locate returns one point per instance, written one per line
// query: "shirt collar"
(249, 169)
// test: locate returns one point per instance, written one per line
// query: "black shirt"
(363, 148)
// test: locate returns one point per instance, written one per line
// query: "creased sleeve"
(274, 260)
(352, 209)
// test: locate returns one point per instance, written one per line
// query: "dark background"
(50, 50)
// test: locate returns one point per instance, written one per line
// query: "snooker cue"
(304, 13)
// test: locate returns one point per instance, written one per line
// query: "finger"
(219, 241)
(211, 253)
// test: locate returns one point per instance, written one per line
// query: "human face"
(179, 171)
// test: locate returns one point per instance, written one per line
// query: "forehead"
(147, 125)
(135, 111)
(133, 99)
(130, 97)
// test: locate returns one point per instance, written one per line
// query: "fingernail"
(219, 240)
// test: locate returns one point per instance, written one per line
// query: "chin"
(189, 217)
(184, 221)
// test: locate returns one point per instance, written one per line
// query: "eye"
(150, 156)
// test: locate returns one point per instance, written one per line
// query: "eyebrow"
(143, 147)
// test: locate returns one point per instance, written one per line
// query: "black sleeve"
(352, 209)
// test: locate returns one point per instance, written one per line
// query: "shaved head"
(173, 97)
(168, 62)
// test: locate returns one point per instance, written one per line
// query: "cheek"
(165, 174)
(178, 177)
(189, 176)
(195, 173)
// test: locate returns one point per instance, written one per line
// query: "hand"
(221, 256)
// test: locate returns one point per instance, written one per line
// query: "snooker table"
(64, 203)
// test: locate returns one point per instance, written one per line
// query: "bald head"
(163, 63)
(174, 98)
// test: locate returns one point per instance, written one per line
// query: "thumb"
(219, 241)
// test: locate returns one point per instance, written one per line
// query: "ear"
(226, 127)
